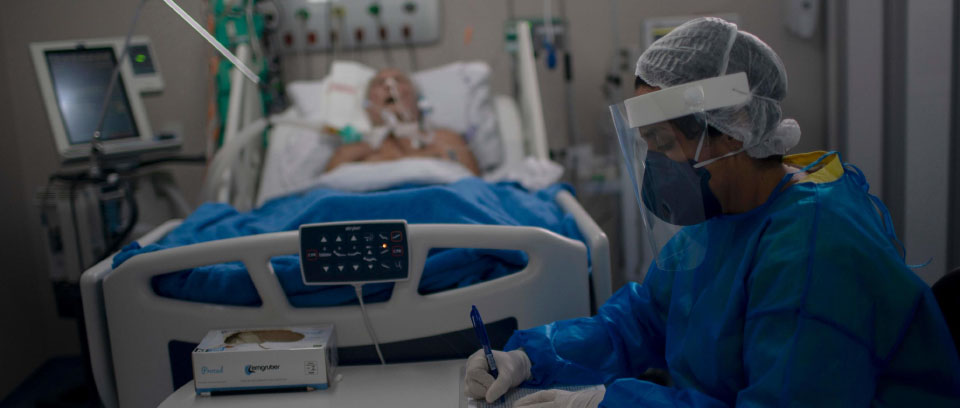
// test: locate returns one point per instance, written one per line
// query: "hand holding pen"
(484, 380)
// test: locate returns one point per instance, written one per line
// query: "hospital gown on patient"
(802, 301)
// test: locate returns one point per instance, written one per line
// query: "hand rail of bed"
(95, 318)
(255, 251)
(550, 288)
(598, 244)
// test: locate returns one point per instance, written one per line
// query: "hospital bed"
(133, 332)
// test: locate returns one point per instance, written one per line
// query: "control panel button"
(348, 252)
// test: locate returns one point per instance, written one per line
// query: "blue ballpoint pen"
(484, 340)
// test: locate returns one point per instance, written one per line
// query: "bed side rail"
(95, 318)
(599, 248)
(550, 288)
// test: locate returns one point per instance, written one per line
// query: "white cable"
(213, 41)
(252, 34)
(366, 319)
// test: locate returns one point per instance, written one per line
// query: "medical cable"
(366, 320)
(131, 223)
(358, 36)
(96, 156)
(76, 227)
(383, 34)
(252, 34)
(306, 68)
(568, 77)
(196, 159)
(336, 31)
(213, 42)
(411, 52)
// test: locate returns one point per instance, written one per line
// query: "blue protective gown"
(804, 300)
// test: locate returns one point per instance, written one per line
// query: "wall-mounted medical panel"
(320, 25)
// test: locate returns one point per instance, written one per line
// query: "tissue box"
(265, 359)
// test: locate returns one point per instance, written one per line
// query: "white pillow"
(459, 98)
(458, 95)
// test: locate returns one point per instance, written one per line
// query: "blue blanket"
(469, 201)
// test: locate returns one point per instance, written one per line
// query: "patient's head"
(392, 93)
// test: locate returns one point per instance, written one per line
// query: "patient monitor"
(74, 78)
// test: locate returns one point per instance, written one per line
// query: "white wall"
(19, 293)
(28, 154)
(592, 48)
(928, 131)
(898, 63)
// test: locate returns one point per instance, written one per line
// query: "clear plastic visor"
(673, 196)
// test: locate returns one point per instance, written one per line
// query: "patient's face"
(392, 91)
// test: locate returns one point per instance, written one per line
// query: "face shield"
(664, 136)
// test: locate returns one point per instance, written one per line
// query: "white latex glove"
(513, 368)
(562, 399)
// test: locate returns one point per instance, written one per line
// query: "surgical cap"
(709, 47)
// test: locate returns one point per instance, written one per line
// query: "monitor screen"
(80, 79)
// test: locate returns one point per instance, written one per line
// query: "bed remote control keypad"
(353, 252)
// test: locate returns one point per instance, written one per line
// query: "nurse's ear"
(725, 144)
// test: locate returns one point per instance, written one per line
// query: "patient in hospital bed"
(400, 130)
(397, 177)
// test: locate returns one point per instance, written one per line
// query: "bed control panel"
(354, 252)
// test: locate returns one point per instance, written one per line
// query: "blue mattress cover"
(469, 201)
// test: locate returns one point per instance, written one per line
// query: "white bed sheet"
(531, 173)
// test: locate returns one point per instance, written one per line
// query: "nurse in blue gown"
(778, 278)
